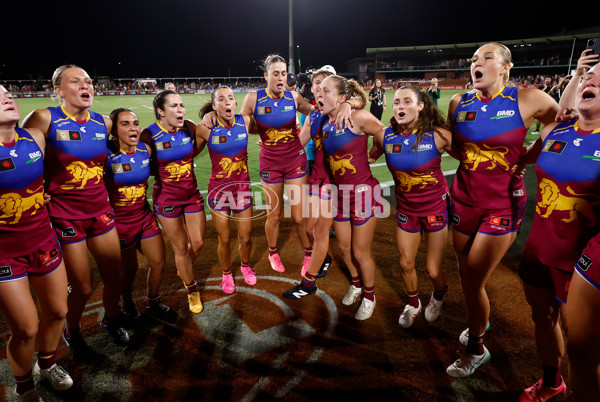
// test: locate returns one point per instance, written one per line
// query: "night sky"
(187, 38)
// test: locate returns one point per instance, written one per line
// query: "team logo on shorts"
(168, 209)
(6, 271)
(69, 232)
(584, 262)
(401, 218)
(265, 175)
(436, 219)
(454, 219)
(48, 257)
(496, 220)
(107, 218)
(6, 164)
(467, 116)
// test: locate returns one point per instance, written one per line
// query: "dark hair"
(270, 59)
(160, 100)
(429, 119)
(114, 117)
(207, 107)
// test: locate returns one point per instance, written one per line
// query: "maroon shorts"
(361, 205)
(539, 275)
(271, 173)
(40, 262)
(236, 197)
(433, 222)
(134, 228)
(323, 191)
(170, 210)
(76, 230)
(585, 265)
(468, 219)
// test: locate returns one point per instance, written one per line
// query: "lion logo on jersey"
(494, 155)
(273, 136)
(406, 181)
(341, 163)
(229, 166)
(552, 200)
(130, 195)
(82, 174)
(178, 170)
(13, 205)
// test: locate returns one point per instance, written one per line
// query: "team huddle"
(73, 181)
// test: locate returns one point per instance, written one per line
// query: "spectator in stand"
(169, 86)
(434, 91)
(557, 91)
(377, 99)
(546, 87)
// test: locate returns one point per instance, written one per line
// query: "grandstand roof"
(471, 45)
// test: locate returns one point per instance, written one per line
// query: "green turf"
(142, 106)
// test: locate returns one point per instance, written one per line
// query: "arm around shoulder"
(39, 119)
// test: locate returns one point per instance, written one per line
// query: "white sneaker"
(58, 377)
(407, 318)
(464, 336)
(365, 310)
(433, 309)
(351, 295)
(466, 365)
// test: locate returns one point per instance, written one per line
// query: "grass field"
(142, 106)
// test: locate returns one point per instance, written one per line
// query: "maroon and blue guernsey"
(228, 149)
(567, 209)
(276, 121)
(420, 184)
(349, 164)
(127, 180)
(173, 166)
(74, 165)
(24, 221)
(321, 173)
(490, 135)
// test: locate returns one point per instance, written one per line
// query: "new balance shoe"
(299, 291)
(539, 393)
(365, 310)
(195, 302)
(324, 267)
(130, 311)
(276, 263)
(156, 308)
(249, 275)
(58, 377)
(351, 295)
(463, 338)
(81, 350)
(227, 284)
(433, 309)
(115, 330)
(466, 365)
(409, 314)
(305, 263)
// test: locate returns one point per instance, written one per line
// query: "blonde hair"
(348, 87)
(506, 55)
(57, 78)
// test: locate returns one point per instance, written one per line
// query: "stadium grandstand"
(534, 59)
